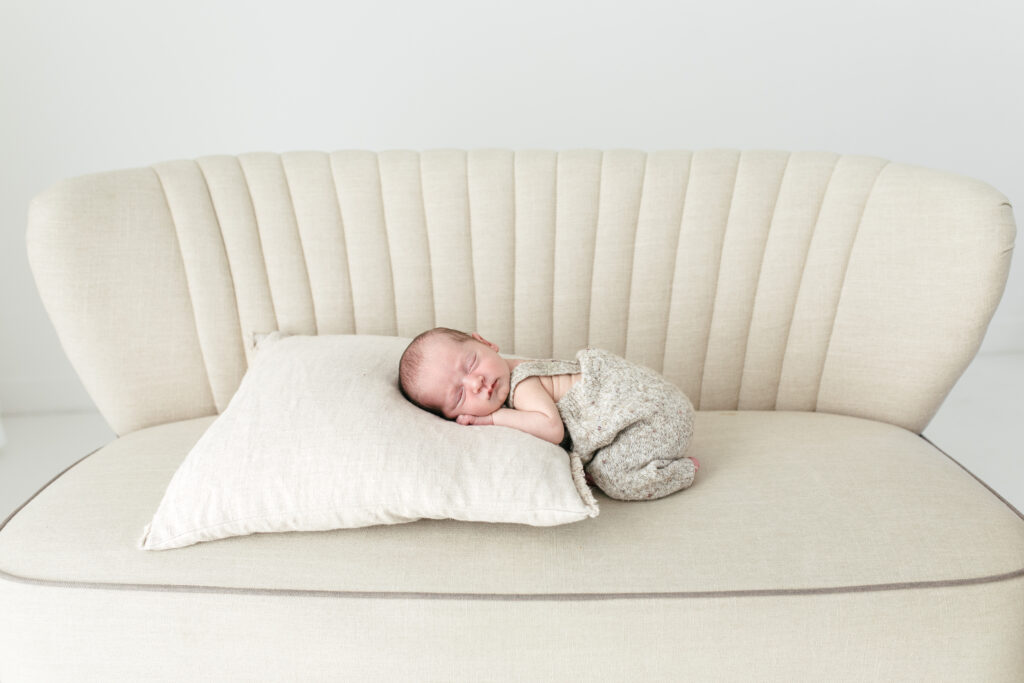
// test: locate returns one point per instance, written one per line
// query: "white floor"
(977, 425)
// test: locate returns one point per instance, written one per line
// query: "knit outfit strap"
(535, 368)
(547, 368)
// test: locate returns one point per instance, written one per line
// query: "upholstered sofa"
(816, 308)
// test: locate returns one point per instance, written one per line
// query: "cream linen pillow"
(319, 437)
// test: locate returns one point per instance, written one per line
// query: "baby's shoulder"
(530, 391)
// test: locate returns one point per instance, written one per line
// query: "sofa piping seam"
(516, 597)
(45, 486)
(973, 475)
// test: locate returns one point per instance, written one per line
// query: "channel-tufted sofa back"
(756, 280)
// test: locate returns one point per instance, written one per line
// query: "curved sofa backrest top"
(759, 280)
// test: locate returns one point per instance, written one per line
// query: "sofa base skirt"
(951, 633)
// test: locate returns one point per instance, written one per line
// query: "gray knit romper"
(629, 426)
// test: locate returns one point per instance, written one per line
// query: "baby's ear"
(476, 336)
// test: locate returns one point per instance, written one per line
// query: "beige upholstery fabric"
(845, 503)
(754, 280)
(829, 524)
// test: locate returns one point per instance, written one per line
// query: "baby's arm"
(535, 413)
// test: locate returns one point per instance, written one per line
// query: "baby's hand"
(474, 420)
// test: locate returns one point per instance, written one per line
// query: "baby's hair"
(412, 359)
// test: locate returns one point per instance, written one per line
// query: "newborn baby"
(628, 424)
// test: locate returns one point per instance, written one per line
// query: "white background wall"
(106, 84)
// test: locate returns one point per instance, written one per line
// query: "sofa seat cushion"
(804, 502)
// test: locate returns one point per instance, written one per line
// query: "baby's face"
(462, 378)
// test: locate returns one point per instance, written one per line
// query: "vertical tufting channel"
(322, 235)
(842, 283)
(801, 197)
(358, 186)
(533, 293)
(445, 205)
(821, 281)
(622, 182)
(407, 239)
(712, 177)
(759, 177)
(577, 201)
(208, 275)
(657, 239)
(279, 235)
(233, 208)
(490, 178)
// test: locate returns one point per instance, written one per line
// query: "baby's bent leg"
(641, 465)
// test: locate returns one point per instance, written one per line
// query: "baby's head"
(451, 373)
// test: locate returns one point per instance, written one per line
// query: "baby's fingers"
(464, 419)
